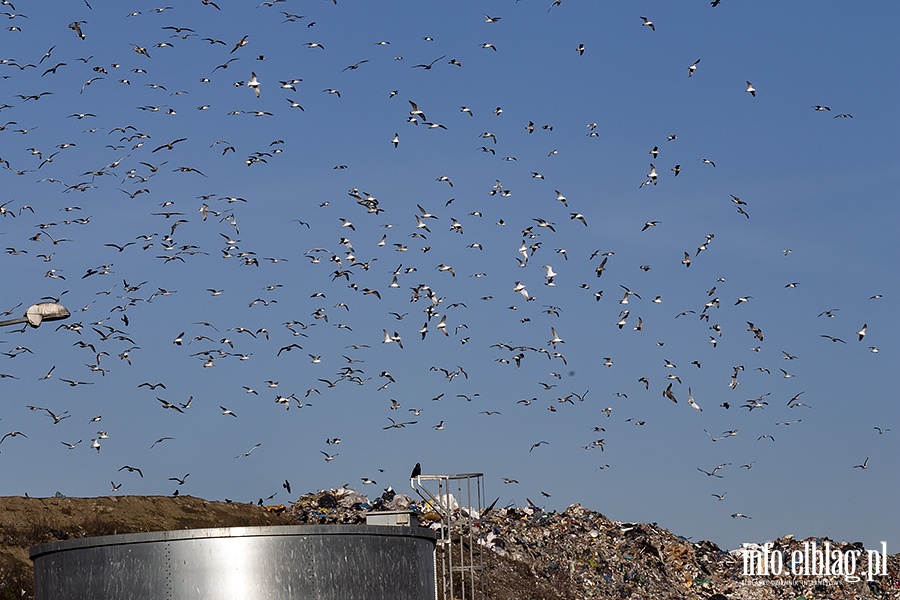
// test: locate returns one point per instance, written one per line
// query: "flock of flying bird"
(392, 284)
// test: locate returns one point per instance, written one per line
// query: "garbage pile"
(602, 558)
(609, 559)
(580, 554)
(344, 506)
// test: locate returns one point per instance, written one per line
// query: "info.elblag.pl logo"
(813, 560)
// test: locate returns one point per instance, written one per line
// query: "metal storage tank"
(321, 562)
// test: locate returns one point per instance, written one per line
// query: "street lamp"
(38, 313)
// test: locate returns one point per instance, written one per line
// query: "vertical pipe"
(468, 529)
(481, 500)
(434, 566)
(443, 493)
(471, 528)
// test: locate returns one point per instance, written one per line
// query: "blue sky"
(817, 188)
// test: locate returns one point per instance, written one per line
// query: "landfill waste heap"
(528, 553)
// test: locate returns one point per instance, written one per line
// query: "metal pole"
(14, 321)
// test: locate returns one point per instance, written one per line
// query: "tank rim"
(230, 532)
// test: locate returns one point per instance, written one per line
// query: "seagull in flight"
(692, 403)
(693, 67)
(132, 470)
(243, 42)
(427, 67)
(12, 434)
(247, 453)
(253, 83)
(354, 66)
(713, 472)
(170, 145)
(535, 445)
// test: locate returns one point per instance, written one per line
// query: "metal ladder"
(458, 499)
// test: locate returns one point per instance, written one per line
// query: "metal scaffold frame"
(458, 499)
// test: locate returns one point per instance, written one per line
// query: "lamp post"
(38, 313)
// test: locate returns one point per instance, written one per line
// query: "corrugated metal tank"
(321, 562)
